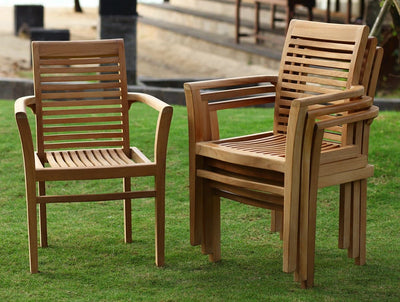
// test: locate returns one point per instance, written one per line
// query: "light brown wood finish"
(318, 106)
(81, 105)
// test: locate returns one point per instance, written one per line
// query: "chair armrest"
(352, 92)
(353, 117)
(23, 102)
(163, 122)
(237, 81)
(25, 132)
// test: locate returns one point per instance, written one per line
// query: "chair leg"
(160, 219)
(256, 21)
(196, 202)
(277, 222)
(354, 250)
(32, 226)
(237, 23)
(216, 228)
(127, 212)
(273, 11)
(212, 226)
(352, 220)
(43, 216)
(361, 259)
(345, 216)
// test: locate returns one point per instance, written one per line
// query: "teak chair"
(317, 86)
(81, 104)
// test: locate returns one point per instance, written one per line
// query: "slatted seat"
(81, 105)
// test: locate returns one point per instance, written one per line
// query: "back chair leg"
(216, 229)
(277, 222)
(344, 216)
(352, 220)
(127, 212)
(361, 259)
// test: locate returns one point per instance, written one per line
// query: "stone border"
(13, 88)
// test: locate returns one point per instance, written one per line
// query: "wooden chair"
(333, 170)
(288, 5)
(81, 104)
(320, 70)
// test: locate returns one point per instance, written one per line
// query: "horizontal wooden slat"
(94, 197)
(84, 78)
(82, 120)
(314, 79)
(344, 165)
(79, 61)
(325, 45)
(236, 93)
(316, 71)
(250, 101)
(99, 102)
(338, 153)
(346, 177)
(80, 95)
(240, 182)
(337, 137)
(78, 49)
(81, 111)
(92, 135)
(290, 95)
(318, 63)
(90, 144)
(75, 70)
(82, 128)
(80, 86)
(317, 53)
(308, 88)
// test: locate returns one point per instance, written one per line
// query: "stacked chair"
(81, 105)
(323, 98)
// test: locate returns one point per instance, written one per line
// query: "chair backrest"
(81, 95)
(371, 66)
(317, 58)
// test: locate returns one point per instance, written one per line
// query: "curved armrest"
(352, 92)
(25, 132)
(237, 81)
(23, 102)
(354, 117)
(163, 122)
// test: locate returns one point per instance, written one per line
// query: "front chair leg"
(32, 226)
(127, 212)
(43, 216)
(160, 220)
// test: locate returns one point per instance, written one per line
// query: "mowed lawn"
(87, 259)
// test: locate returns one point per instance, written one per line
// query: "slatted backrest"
(81, 95)
(317, 58)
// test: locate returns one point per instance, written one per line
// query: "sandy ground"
(156, 58)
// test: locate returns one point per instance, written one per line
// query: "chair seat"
(261, 150)
(88, 158)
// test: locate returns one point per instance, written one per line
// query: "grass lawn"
(87, 260)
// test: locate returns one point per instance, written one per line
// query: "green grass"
(88, 261)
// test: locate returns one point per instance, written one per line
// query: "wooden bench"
(288, 5)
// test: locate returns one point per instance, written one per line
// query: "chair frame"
(289, 177)
(130, 161)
